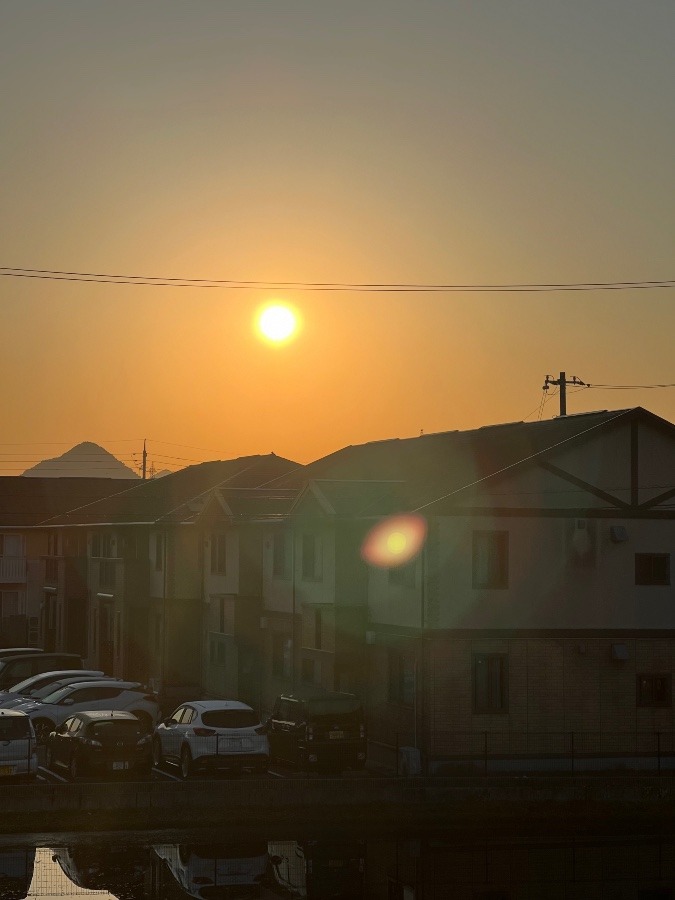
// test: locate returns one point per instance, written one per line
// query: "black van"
(18, 667)
(315, 730)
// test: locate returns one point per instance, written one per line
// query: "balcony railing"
(12, 569)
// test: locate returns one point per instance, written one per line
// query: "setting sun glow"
(277, 323)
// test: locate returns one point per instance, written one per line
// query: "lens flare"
(394, 541)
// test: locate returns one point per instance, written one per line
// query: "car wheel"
(185, 762)
(43, 728)
(157, 755)
(74, 768)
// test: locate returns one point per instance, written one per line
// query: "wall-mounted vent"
(618, 534)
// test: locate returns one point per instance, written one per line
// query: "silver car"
(55, 708)
(31, 687)
(18, 746)
(212, 734)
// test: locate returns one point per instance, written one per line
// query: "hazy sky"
(368, 141)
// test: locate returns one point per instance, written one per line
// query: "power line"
(403, 287)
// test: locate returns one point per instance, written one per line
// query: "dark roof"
(434, 465)
(27, 501)
(161, 499)
(242, 503)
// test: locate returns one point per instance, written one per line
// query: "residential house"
(144, 571)
(538, 619)
(32, 563)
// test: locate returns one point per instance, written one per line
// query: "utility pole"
(562, 383)
(145, 458)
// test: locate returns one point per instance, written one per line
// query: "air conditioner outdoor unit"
(409, 761)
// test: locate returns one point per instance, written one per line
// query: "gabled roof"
(236, 504)
(165, 499)
(25, 502)
(435, 465)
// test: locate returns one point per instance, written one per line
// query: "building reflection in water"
(426, 869)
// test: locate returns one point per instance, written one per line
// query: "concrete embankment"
(457, 805)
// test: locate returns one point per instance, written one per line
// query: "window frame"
(486, 704)
(496, 561)
(648, 579)
(651, 702)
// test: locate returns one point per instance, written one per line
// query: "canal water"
(133, 867)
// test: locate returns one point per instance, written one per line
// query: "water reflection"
(16, 872)
(426, 869)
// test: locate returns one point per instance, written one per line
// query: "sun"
(277, 322)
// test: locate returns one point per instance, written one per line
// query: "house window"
(217, 651)
(652, 568)
(10, 545)
(9, 604)
(311, 557)
(279, 567)
(654, 690)
(107, 546)
(490, 559)
(404, 576)
(401, 678)
(490, 683)
(159, 552)
(310, 671)
(281, 656)
(218, 554)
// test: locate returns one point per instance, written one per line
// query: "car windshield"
(55, 695)
(14, 727)
(230, 718)
(335, 706)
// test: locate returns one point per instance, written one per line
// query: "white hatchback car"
(212, 734)
(48, 713)
(18, 747)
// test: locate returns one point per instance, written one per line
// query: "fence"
(497, 752)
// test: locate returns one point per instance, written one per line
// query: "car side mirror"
(68, 701)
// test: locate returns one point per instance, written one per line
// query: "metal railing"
(504, 752)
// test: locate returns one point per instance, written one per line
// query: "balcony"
(12, 569)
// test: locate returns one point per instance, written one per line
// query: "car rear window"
(230, 718)
(13, 728)
(334, 706)
(110, 729)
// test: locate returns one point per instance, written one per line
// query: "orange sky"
(367, 141)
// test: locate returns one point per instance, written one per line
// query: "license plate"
(117, 766)
(7, 770)
(336, 735)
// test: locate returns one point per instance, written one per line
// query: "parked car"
(17, 651)
(18, 746)
(318, 731)
(47, 714)
(107, 742)
(18, 666)
(29, 687)
(217, 870)
(41, 693)
(212, 734)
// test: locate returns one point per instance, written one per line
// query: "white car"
(212, 734)
(217, 870)
(30, 688)
(48, 713)
(18, 747)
